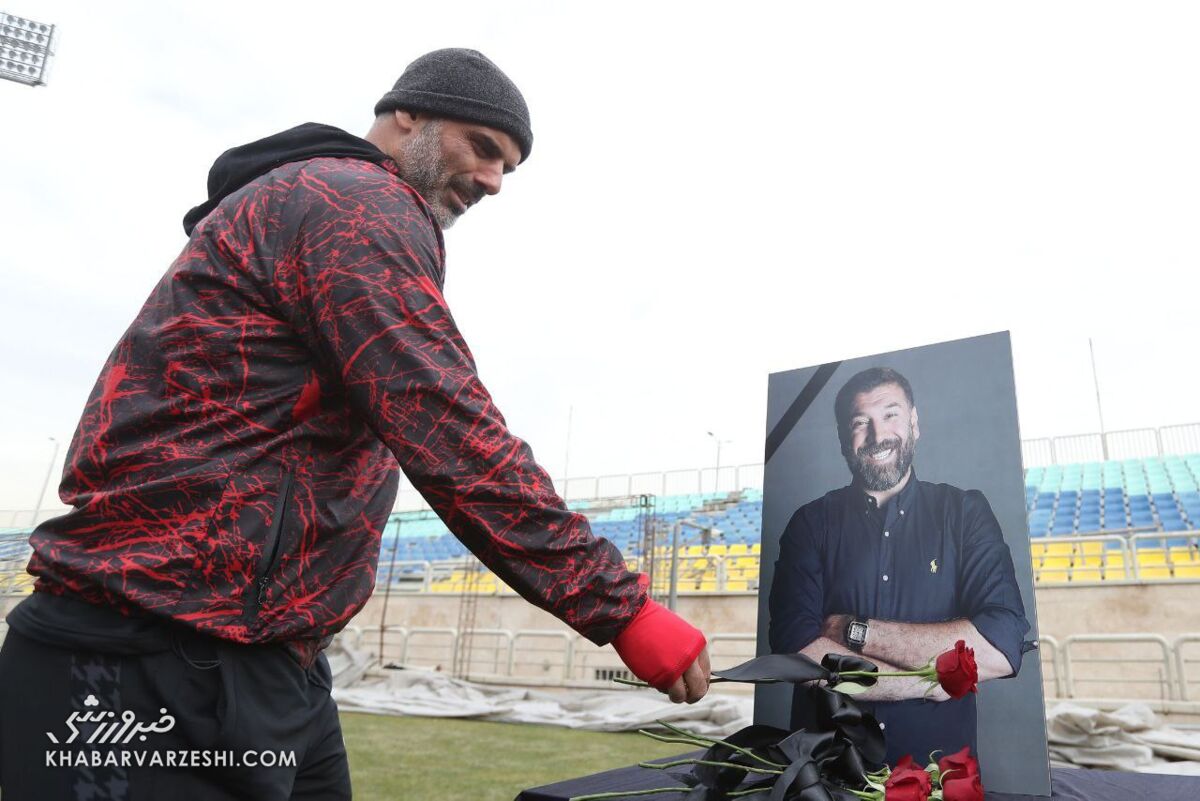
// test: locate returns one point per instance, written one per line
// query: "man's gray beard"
(882, 477)
(424, 168)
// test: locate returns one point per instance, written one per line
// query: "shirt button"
(885, 576)
(901, 511)
(887, 533)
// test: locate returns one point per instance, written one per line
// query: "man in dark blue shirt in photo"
(897, 570)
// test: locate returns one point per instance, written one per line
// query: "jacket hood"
(238, 166)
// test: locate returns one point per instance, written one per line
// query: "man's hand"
(657, 645)
(693, 684)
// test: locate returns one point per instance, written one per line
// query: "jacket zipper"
(272, 552)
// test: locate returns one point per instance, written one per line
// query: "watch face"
(857, 633)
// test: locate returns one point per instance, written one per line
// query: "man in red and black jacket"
(238, 458)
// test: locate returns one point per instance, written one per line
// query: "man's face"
(882, 437)
(453, 164)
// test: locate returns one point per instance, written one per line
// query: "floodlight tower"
(25, 49)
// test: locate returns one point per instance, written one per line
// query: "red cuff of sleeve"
(658, 645)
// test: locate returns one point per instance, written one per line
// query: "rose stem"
(681, 789)
(678, 762)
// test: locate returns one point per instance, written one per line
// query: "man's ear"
(916, 425)
(406, 121)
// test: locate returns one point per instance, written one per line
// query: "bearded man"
(897, 570)
(239, 456)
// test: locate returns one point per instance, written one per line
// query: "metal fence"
(1129, 556)
(1134, 443)
(1146, 667)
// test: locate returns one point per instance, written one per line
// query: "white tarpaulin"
(416, 691)
(1130, 738)
(432, 694)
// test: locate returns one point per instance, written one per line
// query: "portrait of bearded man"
(897, 570)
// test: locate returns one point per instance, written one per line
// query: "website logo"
(112, 729)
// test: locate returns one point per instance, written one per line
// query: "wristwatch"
(856, 634)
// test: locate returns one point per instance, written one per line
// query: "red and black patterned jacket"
(239, 456)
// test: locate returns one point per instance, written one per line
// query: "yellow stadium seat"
(1151, 556)
(738, 548)
(1187, 571)
(1184, 554)
(708, 585)
(1086, 574)
(1059, 548)
(717, 550)
(695, 550)
(1056, 563)
(1052, 576)
(1154, 572)
(1092, 548)
(737, 586)
(756, 548)
(1037, 550)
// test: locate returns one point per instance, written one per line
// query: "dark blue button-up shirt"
(932, 553)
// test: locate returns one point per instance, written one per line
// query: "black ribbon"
(840, 713)
(836, 749)
(796, 668)
(756, 738)
(837, 664)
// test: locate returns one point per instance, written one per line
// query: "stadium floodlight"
(25, 49)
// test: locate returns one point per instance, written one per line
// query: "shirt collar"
(903, 500)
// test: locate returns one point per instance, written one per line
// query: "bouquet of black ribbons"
(827, 762)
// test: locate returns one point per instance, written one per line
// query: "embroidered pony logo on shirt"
(932, 565)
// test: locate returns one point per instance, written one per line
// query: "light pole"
(717, 476)
(1099, 411)
(25, 49)
(37, 509)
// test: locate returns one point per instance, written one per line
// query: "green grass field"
(443, 759)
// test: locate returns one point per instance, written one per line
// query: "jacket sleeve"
(358, 273)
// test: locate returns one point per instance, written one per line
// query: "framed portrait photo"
(894, 526)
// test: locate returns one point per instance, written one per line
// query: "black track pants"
(230, 722)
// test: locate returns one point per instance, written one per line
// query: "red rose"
(907, 782)
(956, 671)
(959, 765)
(960, 777)
(964, 788)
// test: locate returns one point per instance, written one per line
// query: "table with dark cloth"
(1070, 784)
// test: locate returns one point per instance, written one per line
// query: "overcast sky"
(715, 193)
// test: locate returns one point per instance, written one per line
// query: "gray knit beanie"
(465, 85)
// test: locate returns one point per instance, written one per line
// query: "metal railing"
(1133, 443)
(1137, 563)
(1182, 663)
(1048, 649)
(1066, 559)
(1089, 564)
(1110, 666)
(1131, 673)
